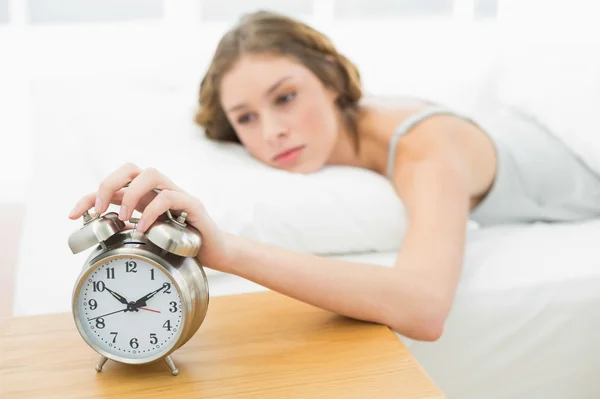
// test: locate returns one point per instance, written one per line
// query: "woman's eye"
(286, 98)
(244, 118)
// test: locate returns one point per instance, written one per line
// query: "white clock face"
(130, 308)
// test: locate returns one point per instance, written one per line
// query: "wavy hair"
(273, 33)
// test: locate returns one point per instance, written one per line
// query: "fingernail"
(98, 204)
(72, 213)
(123, 212)
(139, 226)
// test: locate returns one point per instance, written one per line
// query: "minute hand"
(108, 314)
(142, 301)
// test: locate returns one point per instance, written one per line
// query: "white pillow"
(336, 210)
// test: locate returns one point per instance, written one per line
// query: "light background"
(85, 84)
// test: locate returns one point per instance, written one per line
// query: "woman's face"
(281, 112)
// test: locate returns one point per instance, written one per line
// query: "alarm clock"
(139, 296)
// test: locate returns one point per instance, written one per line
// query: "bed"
(526, 316)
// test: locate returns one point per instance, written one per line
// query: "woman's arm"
(415, 296)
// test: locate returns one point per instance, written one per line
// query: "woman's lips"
(289, 156)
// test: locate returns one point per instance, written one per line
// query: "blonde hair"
(273, 33)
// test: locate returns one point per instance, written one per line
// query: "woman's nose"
(273, 129)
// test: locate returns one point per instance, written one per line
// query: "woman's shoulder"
(392, 117)
(382, 116)
(438, 131)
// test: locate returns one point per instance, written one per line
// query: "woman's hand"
(139, 196)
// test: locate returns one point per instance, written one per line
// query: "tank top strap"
(405, 126)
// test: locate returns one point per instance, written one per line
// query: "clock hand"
(142, 301)
(151, 310)
(108, 314)
(118, 296)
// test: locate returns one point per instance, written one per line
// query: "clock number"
(133, 343)
(152, 274)
(115, 337)
(130, 267)
(167, 325)
(174, 307)
(99, 286)
(153, 339)
(93, 304)
(168, 290)
(110, 273)
(100, 323)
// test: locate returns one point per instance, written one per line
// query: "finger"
(142, 185)
(113, 183)
(85, 203)
(166, 200)
(88, 201)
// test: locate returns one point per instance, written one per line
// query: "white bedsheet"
(526, 316)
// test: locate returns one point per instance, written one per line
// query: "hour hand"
(121, 298)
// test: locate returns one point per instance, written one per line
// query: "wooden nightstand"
(260, 345)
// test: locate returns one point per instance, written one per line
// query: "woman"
(283, 91)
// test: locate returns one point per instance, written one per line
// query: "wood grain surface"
(260, 345)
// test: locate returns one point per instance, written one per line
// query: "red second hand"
(151, 310)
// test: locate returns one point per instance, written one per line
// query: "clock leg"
(101, 363)
(169, 361)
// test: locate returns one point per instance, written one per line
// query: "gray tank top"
(408, 124)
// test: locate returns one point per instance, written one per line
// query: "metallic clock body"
(157, 248)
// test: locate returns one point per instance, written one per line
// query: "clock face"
(130, 308)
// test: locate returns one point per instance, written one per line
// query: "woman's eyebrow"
(271, 89)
